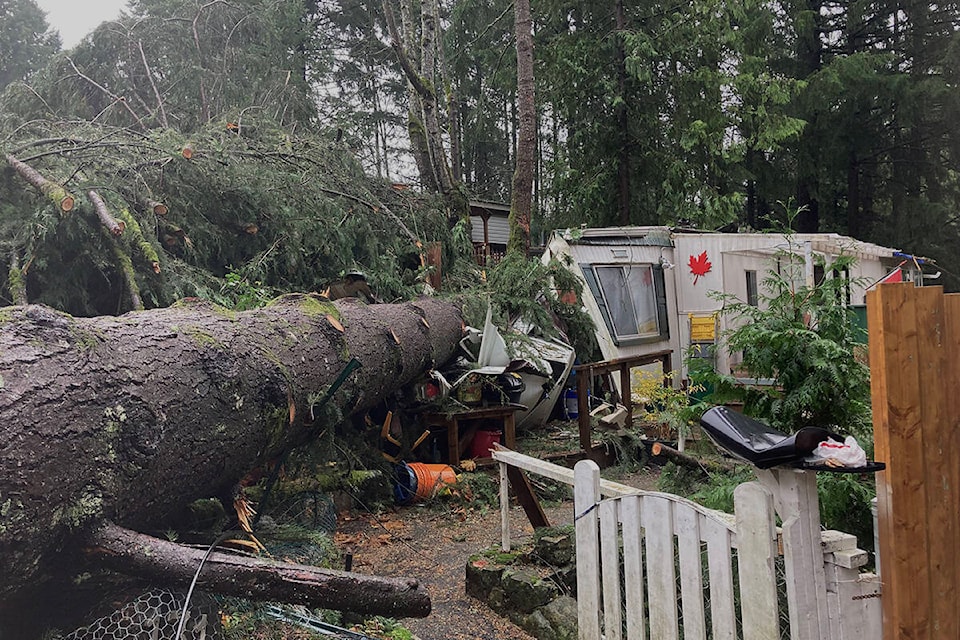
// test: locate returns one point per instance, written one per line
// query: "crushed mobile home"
(654, 288)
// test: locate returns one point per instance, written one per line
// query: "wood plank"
(610, 570)
(661, 575)
(626, 394)
(723, 620)
(951, 443)
(757, 551)
(896, 388)
(935, 353)
(527, 498)
(583, 412)
(687, 528)
(586, 494)
(504, 508)
(609, 366)
(633, 567)
(453, 442)
(608, 489)
(879, 364)
(795, 495)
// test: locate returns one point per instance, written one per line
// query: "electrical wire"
(196, 576)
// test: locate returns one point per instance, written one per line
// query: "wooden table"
(452, 421)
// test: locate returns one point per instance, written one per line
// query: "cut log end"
(66, 204)
(156, 267)
(158, 208)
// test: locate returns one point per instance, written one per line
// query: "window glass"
(630, 298)
(753, 298)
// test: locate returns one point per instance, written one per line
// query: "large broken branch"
(56, 193)
(134, 553)
(131, 418)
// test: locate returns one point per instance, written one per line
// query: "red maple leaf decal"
(699, 266)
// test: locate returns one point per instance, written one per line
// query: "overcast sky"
(76, 18)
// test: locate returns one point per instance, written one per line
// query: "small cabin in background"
(490, 230)
(648, 288)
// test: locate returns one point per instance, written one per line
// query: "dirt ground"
(432, 542)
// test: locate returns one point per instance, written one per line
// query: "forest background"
(292, 140)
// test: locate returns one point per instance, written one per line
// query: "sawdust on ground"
(432, 543)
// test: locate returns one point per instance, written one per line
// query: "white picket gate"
(643, 543)
(655, 566)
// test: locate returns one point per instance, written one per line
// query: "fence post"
(756, 553)
(795, 496)
(504, 508)
(586, 496)
(914, 380)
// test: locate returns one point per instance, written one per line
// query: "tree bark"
(57, 194)
(131, 418)
(108, 221)
(522, 192)
(167, 562)
(686, 460)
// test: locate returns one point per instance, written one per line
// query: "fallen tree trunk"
(130, 418)
(137, 554)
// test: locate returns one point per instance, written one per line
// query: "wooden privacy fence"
(655, 566)
(915, 386)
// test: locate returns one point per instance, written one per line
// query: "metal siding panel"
(499, 229)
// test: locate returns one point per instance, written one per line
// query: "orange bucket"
(431, 478)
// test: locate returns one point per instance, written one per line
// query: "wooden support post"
(583, 411)
(504, 508)
(586, 495)
(626, 393)
(756, 553)
(915, 373)
(527, 498)
(795, 497)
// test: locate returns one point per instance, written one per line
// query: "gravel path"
(432, 543)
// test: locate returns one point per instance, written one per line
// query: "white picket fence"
(655, 566)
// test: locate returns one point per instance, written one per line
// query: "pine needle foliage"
(291, 212)
(209, 110)
(529, 291)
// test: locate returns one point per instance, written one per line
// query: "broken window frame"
(658, 299)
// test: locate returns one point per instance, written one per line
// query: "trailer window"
(632, 300)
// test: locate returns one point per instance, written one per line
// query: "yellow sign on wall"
(703, 328)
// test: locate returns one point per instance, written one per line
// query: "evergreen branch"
(16, 281)
(55, 192)
(126, 268)
(88, 147)
(100, 207)
(160, 109)
(109, 93)
(376, 209)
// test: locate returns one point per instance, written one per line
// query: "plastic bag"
(848, 453)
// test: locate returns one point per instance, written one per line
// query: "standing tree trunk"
(522, 192)
(128, 419)
(426, 132)
(623, 122)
